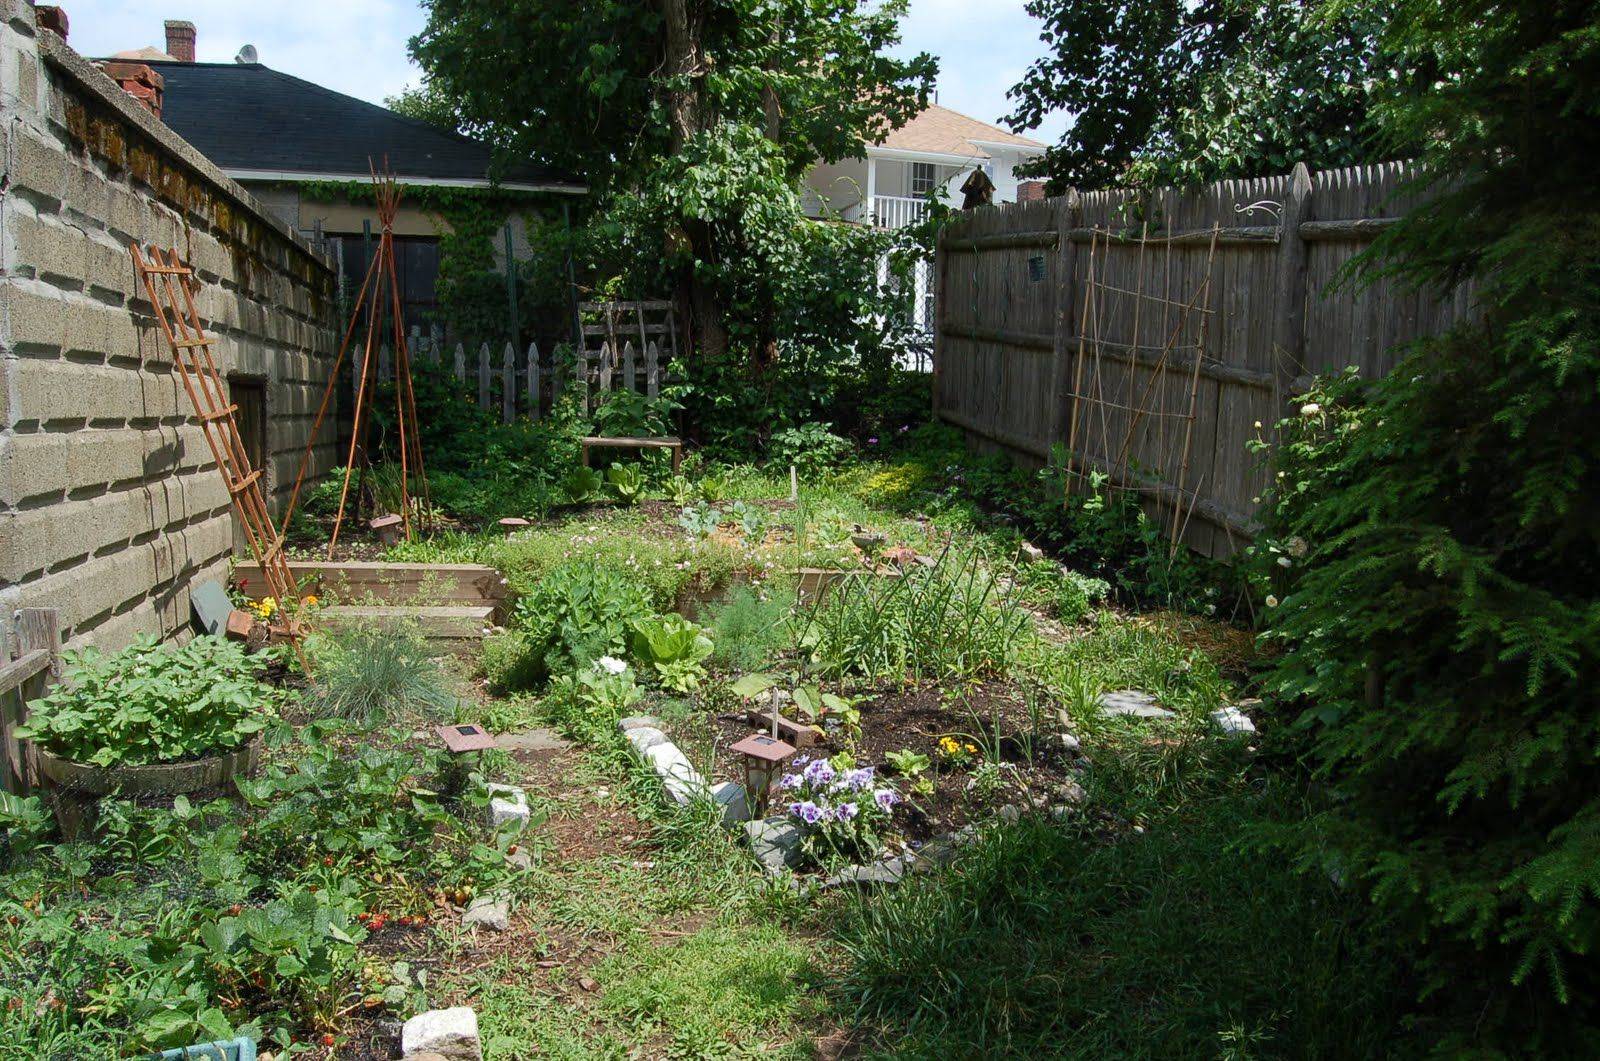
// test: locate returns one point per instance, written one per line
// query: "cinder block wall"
(111, 506)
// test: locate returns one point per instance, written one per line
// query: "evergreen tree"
(1442, 629)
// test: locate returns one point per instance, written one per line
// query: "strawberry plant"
(153, 703)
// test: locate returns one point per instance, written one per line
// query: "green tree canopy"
(1174, 92)
(692, 119)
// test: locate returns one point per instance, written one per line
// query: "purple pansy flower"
(844, 812)
(807, 812)
(819, 772)
(856, 780)
(886, 798)
(789, 781)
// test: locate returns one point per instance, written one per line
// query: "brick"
(30, 465)
(31, 315)
(39, 164)
(45, 246)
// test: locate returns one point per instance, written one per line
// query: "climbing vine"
(471, 288)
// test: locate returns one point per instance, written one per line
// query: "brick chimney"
(1030, 191)
(180, 40)
(139, 81)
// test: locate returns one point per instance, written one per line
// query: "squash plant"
(153, 703)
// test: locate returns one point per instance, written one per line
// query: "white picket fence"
(530, 383)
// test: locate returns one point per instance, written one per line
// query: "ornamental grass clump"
(843, 811)
(367, 674)
(153, 703)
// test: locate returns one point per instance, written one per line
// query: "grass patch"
(1169, 943)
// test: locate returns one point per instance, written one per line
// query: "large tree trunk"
(697, 302)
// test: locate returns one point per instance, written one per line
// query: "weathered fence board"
(1038, 299)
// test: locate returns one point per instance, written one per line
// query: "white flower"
(1310, 409)
(1298, 547)
(1284, 561)
(610, 664)
(1272, 602)
(1258, 425)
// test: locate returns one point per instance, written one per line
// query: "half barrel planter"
(74, 788)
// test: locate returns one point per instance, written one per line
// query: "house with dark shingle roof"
(290, 141)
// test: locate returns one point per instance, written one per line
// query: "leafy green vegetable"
(153, 703)
(676, 647)
(626, 482)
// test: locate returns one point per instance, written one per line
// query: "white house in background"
(888, 184)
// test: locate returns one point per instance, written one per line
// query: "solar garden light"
(763, 758)
(463, 743)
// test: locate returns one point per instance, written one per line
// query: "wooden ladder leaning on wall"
(170, 287)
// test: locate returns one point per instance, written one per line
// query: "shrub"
(811, 448)
(367, 674)
(511, 662)
(1060, 591)
(1440, 621)
(153, 703)
(579, 612)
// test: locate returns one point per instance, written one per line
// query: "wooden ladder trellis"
(170, 287)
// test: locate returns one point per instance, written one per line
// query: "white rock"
(678, 776)
(1232, 721)
(1031, 553)
(775, 842)
(1132, 702)
(508, 805)
(1069, 743)
(490, 911)
(643, 738)
(636, 721)
(450, 1033)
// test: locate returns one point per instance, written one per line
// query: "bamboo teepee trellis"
(370, 304)
(169, 284)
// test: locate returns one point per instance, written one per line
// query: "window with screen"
(924, 175)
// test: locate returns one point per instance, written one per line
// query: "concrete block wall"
(111, 505)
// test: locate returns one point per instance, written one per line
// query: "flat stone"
(1232, 721)
(449, 1033)
(508, 805)
(775, 842)
(1011, 813)
(1069, 743)
(636, 721)
(890, 871)
(490, 911)
(211, 607)
(1031, 553)
(730, 796)
(521, 859)
(1132, 703)
(534, 740)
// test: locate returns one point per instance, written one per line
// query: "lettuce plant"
(676, 647)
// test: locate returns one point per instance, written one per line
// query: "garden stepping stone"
(448, 1033)
(534, 740)
(491, 911)
(1132, 703)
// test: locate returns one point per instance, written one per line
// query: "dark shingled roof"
(245, 116)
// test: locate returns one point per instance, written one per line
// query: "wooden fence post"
(1062, 343)
(22, 680)
(1289, 330)
(605, 371)
(461, 364)
(629, 381)
(483, 376)
(652, 370)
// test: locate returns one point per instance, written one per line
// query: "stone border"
(680, 781)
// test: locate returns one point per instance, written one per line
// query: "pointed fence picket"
(526, 383)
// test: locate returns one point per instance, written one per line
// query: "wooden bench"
(664, 442)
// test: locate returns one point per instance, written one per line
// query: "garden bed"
(1004, 757)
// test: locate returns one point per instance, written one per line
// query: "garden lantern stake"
(380, 291)
(763, 756)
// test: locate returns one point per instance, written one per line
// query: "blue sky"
(359, 46)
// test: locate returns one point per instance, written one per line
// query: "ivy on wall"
(471, 289)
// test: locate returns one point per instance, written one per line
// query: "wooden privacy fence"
(1147, 333)
(30, 663)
